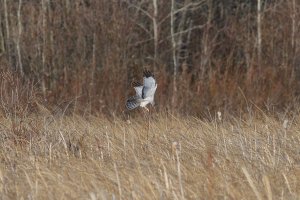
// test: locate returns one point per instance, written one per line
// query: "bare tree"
(155, 28)
(7, 30)
(2, 47)
(44, 28)
(259, 33)
(19, 39)
(151, 16)
(293, 23)
(181, 28)
(175, 63)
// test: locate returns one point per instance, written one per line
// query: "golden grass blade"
(251, 183)
(267, 187)
(118, 181)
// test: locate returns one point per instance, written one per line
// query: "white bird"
(144, 93)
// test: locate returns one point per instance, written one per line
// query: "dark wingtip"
(148, 73)
(132, 103)
(136, 84)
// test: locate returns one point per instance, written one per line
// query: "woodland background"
(207, 55)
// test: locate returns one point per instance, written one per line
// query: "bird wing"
(148, 92)
(149, 80)
(133, 102)
(138, 88)
(139, 91)
(149, 85)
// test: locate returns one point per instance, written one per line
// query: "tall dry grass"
(53, 153)
(167, 157)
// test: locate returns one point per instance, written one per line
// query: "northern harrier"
(144, 93)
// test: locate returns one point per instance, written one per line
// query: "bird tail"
(132, 102)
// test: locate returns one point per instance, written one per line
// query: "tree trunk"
(259, 34)
(175, 61)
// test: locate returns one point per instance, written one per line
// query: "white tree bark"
(293, 22)
(19, 39)
(205, 54)
(259, 51)
(155, 28)
(174, 46)
(44, 10)
(2, 47)
(7, 30)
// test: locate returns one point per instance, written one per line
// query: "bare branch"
(140, 9)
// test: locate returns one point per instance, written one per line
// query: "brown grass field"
(163, 156)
